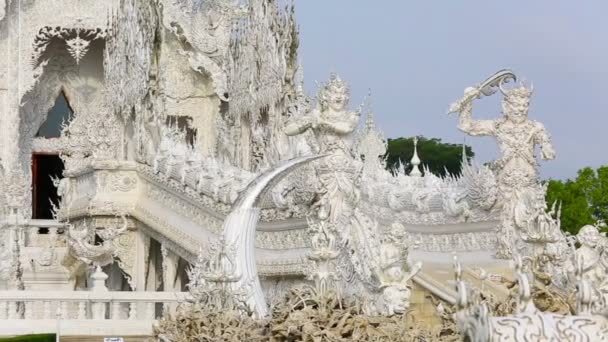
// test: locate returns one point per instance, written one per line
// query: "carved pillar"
(142, 246)
(9, 87)
(98, 307)
(141, 260)
(170, 263)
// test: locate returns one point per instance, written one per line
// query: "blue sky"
(418, 56)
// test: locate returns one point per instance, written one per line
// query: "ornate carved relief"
(78, 40)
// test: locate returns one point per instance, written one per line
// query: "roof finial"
(415, 161)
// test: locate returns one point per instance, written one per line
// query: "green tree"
(437, 156)
(584, 200)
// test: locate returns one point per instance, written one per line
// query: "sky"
(417, 57)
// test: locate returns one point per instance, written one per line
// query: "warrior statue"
(517, 136)
(332, 125)
(337, 190)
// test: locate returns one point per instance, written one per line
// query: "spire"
(369, 121)
(415, 161)
(370, 124)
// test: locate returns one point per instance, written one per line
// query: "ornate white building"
(141, 137)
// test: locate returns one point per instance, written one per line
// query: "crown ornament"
(517, 94)
(333, 86)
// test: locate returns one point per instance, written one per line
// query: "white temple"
(141, 138)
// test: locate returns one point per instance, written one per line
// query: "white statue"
(517, 136)
(592, 248)
(333, 124)
(395, 272)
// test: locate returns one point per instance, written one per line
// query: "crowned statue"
(332, 124)
(517, 136)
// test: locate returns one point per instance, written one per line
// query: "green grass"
(30, 338)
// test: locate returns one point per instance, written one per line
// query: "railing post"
(32, 235)
(132, 310)
(82, 310)
(151, 310)
(64, 310)
(98, 308)
(53, 236)
(46, 310)
(3, 314)
(12, 310)
(115, 310)
(29, 309)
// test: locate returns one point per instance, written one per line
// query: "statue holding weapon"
(517, 136)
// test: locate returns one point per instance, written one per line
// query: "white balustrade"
(3, 308)
(80, 304)
(33, 237)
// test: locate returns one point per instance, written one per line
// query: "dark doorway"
(45, 166)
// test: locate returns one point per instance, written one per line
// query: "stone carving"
(77, 40)
(83, 249)
(207, 27)
(590, 264)
(336, 220)
(371, 145)
(527, 322)
(396, 273)
(517, 136)
(214, 279)
(332, 125)
(240, 225)
(214, 98)
(325, 249)
(2, 9)
(591, 253)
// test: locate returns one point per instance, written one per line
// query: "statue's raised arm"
(516, 135)
(464, 106)
(466, 123)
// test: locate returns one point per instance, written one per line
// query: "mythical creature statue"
(97, 255)
(395, 272)
(206, 27)
(517, 136)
